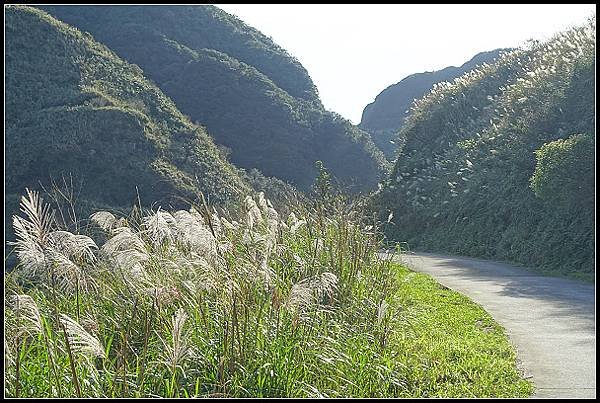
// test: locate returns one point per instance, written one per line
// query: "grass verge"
(199, 304)
(452, 345)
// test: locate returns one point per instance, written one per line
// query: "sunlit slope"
(74, 108)
(384, 117)
(478, 155)
(256, 100)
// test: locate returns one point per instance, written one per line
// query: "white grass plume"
(294, 223)
(253, 213)
(179, 348)
(128, 252)
(28, 314)
(318, 245)
(194, 234)
(301, 295)
(163, 296)
(104, 220)
(326, 285)
(310, 291)
(80, 341)
(73, 246)
(382, 311)
(216, 223)
(68, 274)
(39, 215)
(31, 233)
(29, 251)
(124, 239)
(232, 226)
(160, 227)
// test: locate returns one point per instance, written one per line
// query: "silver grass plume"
(216, 223)
(128, 252)
(284, 226)
(68, 274)
(121, 222)
(104, 220)
(28, 314)
(311, 290)
(318, 245)
(194, 234)
(264, 237)
(124, 239)
(327, 285)
(39, 249)
(160, 227)
(272, 221)
(73, 246)
(301, 295)
(29, 251)
(179, 349)
(382, 311)
(39, 215)
(200, 281)
(80, 340)
(131, 263)
(31, 233)
(232, 226)
(163, 295)
(267, 273)
(295, 223)
(253, 214)
(90, 324)
(299, 261)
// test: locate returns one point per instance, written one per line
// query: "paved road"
(550, 321)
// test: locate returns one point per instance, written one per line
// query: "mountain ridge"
(74, 107)
(499, 162)
(385, 115)
(262, 120)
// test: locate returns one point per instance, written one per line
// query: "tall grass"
(197, 303)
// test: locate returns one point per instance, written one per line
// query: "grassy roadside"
(204, 304)
(452, 345)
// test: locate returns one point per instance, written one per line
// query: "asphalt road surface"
(549, 320)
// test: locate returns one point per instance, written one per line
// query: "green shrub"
(564, 173)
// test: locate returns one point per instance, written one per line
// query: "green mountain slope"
(499, 163)
(255, 100)
(385, 115)
(73, 107)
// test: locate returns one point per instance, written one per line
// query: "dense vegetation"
(499, 162)
(197, 303)
(384, 117)
(197, 28)
(255, 100)
(233, 296)
(74, 109)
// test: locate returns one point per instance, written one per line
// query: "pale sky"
(353, 52)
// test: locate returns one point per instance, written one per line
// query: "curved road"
(550, 321)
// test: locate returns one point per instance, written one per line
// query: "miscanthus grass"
(199, 303)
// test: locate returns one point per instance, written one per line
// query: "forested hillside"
(499, 162)
(385, 116)
(74, 108)
(256, 100)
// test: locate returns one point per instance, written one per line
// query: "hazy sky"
(353, 52)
